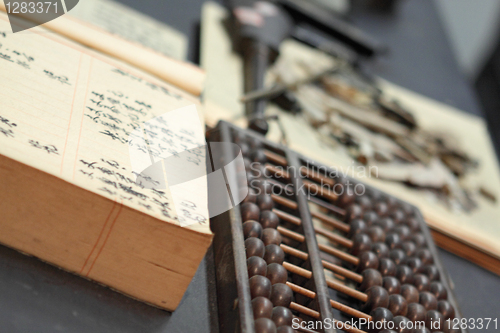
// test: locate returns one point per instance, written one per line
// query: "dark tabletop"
(36, 297)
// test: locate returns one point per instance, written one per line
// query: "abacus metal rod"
(332, 267)
(331, 283)
(326, 233)
(336, 305)
(303, 170)
(307, 183)
(320, 216)
(325, 248)
(315, 314)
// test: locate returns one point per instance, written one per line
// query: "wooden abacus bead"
(413, 224)
(403, 231)
(393, 241)
(269, 219)
(381, 209)
(251, 196)
(285, 329)
(282, 316)
(416, 312)
(392, 203)
(265, 202)
(377, 297)
(364, 202)
(367, 259)
(262, 307)
(425, 255)
(415, 264)
(276, 273)
(381, 315)
(370, 217)
(397, 216)
(254, 142)
(262, 186)
(445, 308)
(356, 226)
(386, 223)
(404, 274)
(347, 197)
(380, 249)
(260, 286)
(438, 290)
(353, 212)
(375, 233)
(391, 284)
(387, 267)
(408, 209)
(432, 272)
(252, 229)
(409, 248)
(402, 324)
(361, 243)
(397, 255)
(245, 148)
(258, 156)
(419, 240)
(281, 295)
(428, 300)
(397, 305)
(265, 325)
(274, 254)
(249, 211)
(410, 293)
(371, 277)
(271, 236)
(421, 282)
(434, 320)
(256, 266)
(251, 178)
(254, 247)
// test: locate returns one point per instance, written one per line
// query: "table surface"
(37, 297)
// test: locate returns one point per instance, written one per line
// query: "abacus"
(309, 250)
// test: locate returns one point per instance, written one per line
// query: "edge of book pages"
(186, 76)
(72, 113)
(479, 230)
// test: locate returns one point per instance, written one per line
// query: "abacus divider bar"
(325, 248)
(330, 283)
(326, 233)
(332, 267)
(336, 305)
(322, 297)
(320, 216)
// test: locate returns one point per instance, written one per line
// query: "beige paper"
(72, 112)
(183, 75)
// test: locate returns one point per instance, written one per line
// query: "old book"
(76, 128)
(126, 47)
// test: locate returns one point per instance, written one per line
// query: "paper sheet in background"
(480, 228)
(133, 26)
(71, 112)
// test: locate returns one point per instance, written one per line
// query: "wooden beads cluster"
(387, 239)
(271, 297)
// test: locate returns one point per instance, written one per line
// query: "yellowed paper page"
(181, 74)
(132, 25)
(75, 114)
